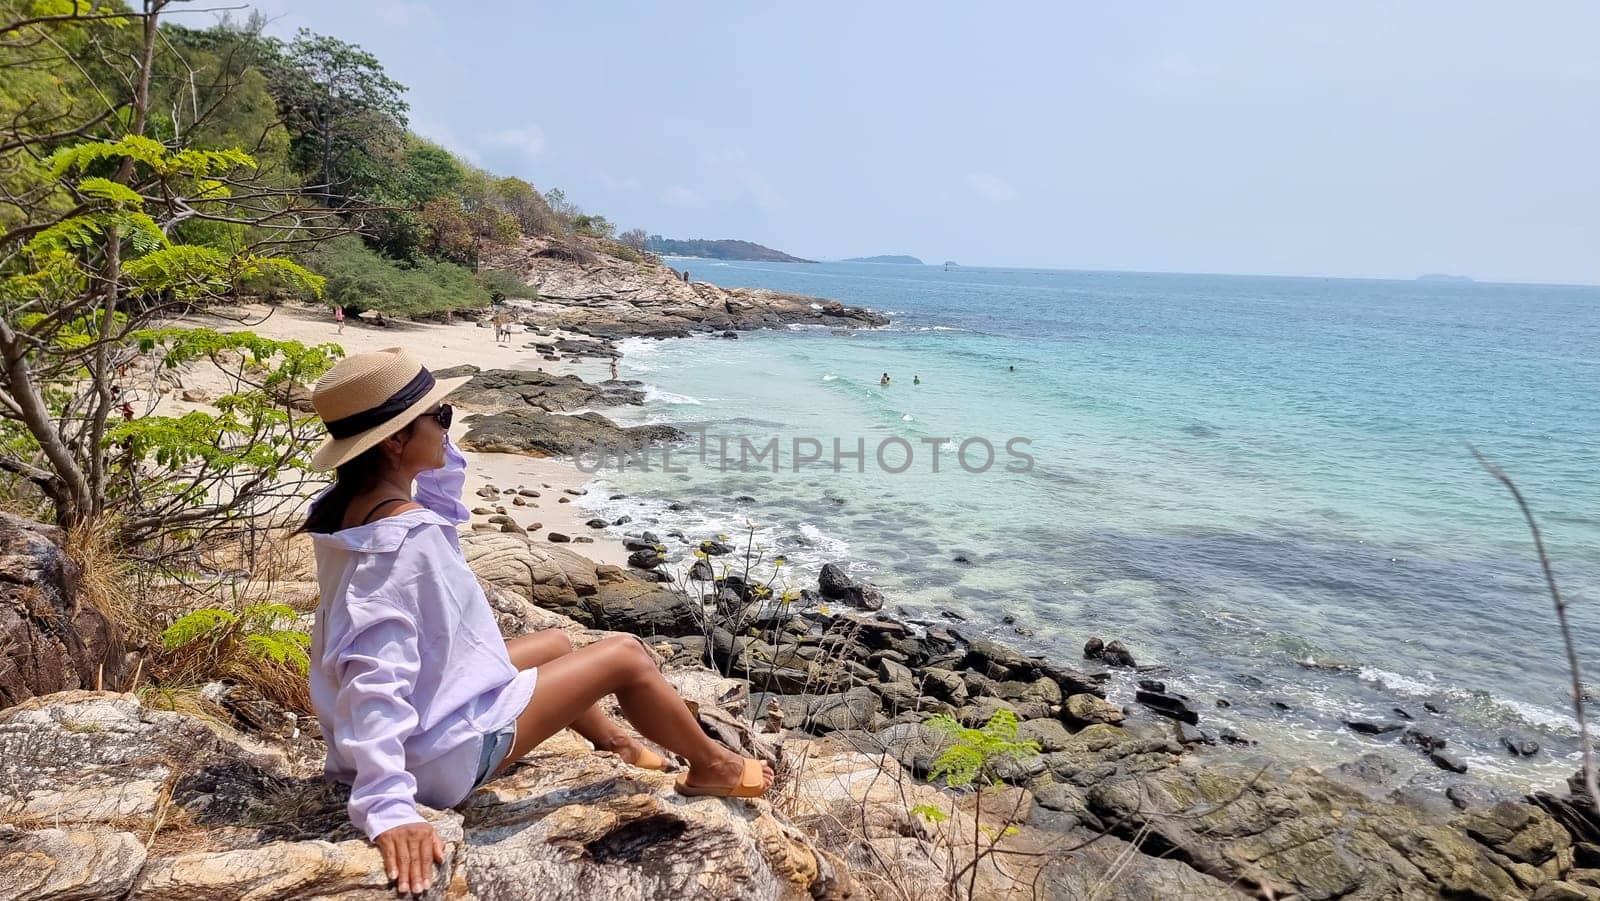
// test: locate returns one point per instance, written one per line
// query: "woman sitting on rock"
(419, 696)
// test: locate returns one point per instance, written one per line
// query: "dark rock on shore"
(1520, 745)
(1168, 705)
(646, 558)
(1113, 654)
(1366, 727)
(1423, 740)
(998, 662)
(1445, 760)
(824, 713)
(539, 434)
(503, 389)
(836, 585)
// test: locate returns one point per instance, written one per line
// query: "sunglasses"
(442, 416)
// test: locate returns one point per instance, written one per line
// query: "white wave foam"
(1396, 682)
(652, 394)
(906, 418)
(829, 545)
(816, 306)
(1531, 714)
(1539, 716)
(830, 377)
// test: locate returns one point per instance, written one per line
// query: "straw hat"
(366, 398)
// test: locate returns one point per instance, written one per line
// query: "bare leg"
(539, 648)
(572, 683)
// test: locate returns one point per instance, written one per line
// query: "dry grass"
(260, 566)
(106, 580)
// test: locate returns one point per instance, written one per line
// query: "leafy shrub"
(359, 279)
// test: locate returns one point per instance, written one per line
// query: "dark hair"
(354, 477)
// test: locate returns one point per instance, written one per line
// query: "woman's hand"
(409, 855)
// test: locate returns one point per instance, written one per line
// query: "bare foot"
(725, 773)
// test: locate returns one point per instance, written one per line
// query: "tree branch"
(1589, 781)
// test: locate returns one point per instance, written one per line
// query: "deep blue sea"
(1262, 483)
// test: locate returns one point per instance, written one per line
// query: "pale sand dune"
(439, 346)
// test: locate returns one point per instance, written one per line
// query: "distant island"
(725, 249)
(897, 259)
(1444, 277)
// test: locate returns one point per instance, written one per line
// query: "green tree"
(346, 117)
(635, 238)
(594, 226)
(92, 256)
(525, 204)
(429, 172)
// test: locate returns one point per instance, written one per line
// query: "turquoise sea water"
(1263, 483)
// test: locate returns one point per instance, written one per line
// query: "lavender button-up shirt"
(408, 668)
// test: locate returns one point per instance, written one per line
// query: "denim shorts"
(496, 745)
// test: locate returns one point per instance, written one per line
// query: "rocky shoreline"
(1150, 773)
(107, 797)
(583, 290)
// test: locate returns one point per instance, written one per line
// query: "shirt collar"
(380, 536)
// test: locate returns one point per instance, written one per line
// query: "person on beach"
(613, 369)
(421, 699)
(338, 317)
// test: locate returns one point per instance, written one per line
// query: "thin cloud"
(618, 185)
(678, 195)
(529, 139)
(992, 187)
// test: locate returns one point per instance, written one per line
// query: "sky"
(1345, 138)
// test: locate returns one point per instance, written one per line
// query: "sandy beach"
(440, 346)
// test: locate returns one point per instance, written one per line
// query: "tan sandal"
(750, 785)
(650, 760)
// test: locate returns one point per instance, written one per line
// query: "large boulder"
(598, 596)
(1296, 832)
(506, 389)
(836, 585)
(568, 823)
(823, 713)
(58, 864)
(536, 433)
(81, 757)
(52, 639)
(108, 799)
